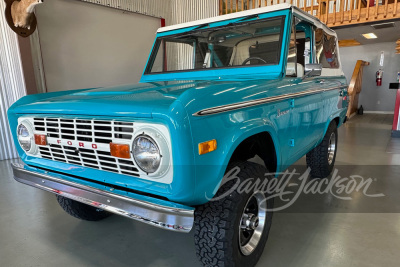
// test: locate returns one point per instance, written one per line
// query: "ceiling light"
(370, 35)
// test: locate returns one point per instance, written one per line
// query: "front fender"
(230, 130)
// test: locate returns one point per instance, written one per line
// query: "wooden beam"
(387, 11)
(341, 11)
(364, 16)
(348, 43)
(334, 11)
(351, 10)
(319, 9)
(359, 10)
(326, 11)
(312, 7)
(386, 6)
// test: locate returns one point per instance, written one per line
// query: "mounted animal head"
(30, 4)
(22, 12)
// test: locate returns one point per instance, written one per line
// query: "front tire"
(321, 159)
(81, 211)
(233, 230)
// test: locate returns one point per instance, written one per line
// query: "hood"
(145, 99)
(125, 100)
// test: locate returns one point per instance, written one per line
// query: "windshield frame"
(239, 71)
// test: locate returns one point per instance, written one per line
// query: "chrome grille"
(88, 132)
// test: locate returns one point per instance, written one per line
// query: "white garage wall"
(85, 45)
(12, 83)
(73, 47)
(173, 11)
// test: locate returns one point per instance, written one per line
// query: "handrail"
(333, 13)
(355, 86)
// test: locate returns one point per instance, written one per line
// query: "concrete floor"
(35, 231)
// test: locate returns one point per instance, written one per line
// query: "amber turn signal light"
(120, 151)
(41, 139)
(208, 146)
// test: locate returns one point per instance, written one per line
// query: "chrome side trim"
(251, 103)
(170, 218)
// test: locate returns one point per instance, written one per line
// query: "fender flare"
(246, 133)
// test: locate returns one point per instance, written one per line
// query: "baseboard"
(395, 134)
(379, 112)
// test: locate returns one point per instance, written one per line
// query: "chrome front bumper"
(163, 216)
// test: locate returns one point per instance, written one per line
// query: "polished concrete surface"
(35, 231)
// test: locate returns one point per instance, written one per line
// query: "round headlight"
(146, 153)
(25, 139)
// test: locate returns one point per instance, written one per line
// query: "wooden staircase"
(355, 86)
(333, 13)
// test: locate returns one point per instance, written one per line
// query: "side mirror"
(311, 70)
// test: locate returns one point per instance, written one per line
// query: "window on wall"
(326, 49)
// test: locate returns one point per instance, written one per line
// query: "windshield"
(241, 44)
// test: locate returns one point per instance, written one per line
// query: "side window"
(326, 50)
(291, 69)
(299, 49)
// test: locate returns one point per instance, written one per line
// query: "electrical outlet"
(379, 102)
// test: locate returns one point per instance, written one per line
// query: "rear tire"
(80, 210)
(321, 159)
(222, 237)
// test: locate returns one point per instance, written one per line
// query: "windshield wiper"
(249, 17)
(201, 26)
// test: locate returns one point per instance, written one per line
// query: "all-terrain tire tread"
(317, 159)
(80, 210)
(215, 220)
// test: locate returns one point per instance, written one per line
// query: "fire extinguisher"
(379, 75)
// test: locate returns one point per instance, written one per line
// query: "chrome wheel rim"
(252, 223)
(331, 148)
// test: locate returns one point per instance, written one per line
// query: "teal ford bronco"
(214, 94)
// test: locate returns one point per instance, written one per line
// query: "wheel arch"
(236, 141)
(334, 118)
(260, 144)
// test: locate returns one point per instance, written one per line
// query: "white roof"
(246, 13)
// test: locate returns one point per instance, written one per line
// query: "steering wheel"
(251, 58)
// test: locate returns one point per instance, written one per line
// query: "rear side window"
(326, 49)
